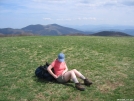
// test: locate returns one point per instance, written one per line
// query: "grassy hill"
(107, 61)
(110, 33)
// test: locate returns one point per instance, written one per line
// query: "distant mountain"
(77, 34)
(98, 28)
(129, 31)
(52, 29)
(110, 33)
(13, 32)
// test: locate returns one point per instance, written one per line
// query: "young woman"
(62, 75)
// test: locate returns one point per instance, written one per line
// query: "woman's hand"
(63, 72)
(55, 76)
(49, 69)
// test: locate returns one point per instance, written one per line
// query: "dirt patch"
(109, 86)
(40, 96)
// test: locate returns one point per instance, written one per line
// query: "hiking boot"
(79, 86)
(87, 82)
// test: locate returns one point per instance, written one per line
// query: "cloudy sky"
(20, 13)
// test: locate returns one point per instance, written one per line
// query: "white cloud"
(79, 18)
(68, 19)
(65, 19)
(86, 18)
(92, 18)
(37, 0)
(49, 1)
(47, 18)
(105, 3)
(60, 19)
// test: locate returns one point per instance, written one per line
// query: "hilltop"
(110, 33)
(107, 61)
(52, 29)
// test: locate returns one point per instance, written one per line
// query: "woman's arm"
(66, 69)
(49, 69)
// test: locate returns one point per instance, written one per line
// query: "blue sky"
(21, 13)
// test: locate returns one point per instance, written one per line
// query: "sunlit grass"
(107, 61)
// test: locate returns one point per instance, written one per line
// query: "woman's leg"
(78, 74)
(70, 75)
(73, 74)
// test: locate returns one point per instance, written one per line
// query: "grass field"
(107, 61)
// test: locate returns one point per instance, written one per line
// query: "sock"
(75, 80)
(82, 77)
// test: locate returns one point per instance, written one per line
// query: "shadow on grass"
(69, 83)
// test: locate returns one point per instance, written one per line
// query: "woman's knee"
(74, 70)
(69, 75)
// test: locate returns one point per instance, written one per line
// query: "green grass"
(107, 61)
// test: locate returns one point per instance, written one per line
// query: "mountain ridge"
(51, 29)
(110, 33)
(55, 30)
(98, 28)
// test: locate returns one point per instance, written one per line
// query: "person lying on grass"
(62, 75)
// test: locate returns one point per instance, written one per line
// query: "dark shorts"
(61, 79)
